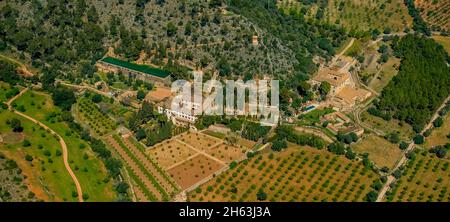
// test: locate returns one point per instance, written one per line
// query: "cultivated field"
(194, 170)
(296, 174)
(435, 12)
(227, 153)
(170, 152)
(199, 140)
(425, 178)
(152, 184)
(96, 120)
(358, 14)
(381, 152)
(194, 157)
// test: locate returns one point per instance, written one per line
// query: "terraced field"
(425, 179)
(435, 12)
(152, 182)
(97, 121)
(192, 158)
(356, 14)
(297, 174)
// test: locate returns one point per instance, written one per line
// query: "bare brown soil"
(194, 170)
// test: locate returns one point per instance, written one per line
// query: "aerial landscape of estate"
(87, 101)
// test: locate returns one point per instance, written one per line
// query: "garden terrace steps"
(140, 195)
(150, 166)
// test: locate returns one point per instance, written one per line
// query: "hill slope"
(164, 33)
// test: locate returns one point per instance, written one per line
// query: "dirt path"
(202, 152)
(135, 167)
(60, 139)
(357, 113)
(345, 49)
(22, 68)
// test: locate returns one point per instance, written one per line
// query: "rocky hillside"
(198, 34)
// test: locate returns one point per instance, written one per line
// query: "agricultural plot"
(296, 174)
(161, 177)
(194, 158)
(151, 180)
(435, 12)
(199, 140)
(170, 152)
(90, 113)
(227, 153)
(194, 170)
(356, 14)
(90, 171)
(424, 178)
(381, 152)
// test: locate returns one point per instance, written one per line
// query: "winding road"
(60, 139)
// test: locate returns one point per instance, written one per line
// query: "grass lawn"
(47, 176)
(120, 85)
(215, 134)
(405, 130)
(7, 92)
(89, 170)
(314, 116)
(439, 135)
(4, 88)
(381, 152)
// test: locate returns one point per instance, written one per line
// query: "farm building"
(143, 72)
(350, 96)
(337, 79)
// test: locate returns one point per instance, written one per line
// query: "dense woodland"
(149, 125)
(9, 73)
(421, 85)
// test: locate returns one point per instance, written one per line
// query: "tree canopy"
(421, 85)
